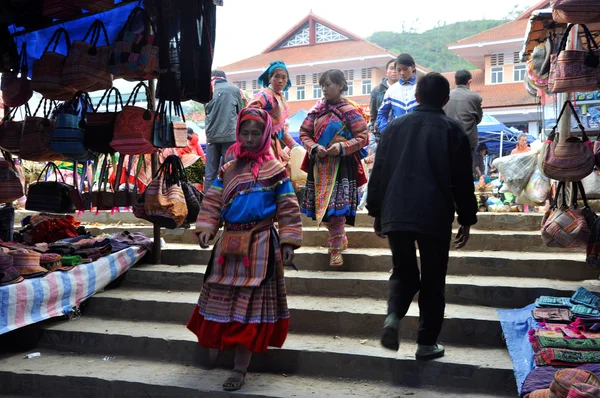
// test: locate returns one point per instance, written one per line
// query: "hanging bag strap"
(134, 93)
(106, 95)
(56, 39)
(51, 167)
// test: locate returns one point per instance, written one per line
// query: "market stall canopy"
(37, 40)
(494, 134)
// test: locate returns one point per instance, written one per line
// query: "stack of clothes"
(569, 333)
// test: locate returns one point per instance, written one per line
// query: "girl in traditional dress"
(243, 301)
(333, 133)
(276, 81)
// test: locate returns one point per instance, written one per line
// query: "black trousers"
(430, 283)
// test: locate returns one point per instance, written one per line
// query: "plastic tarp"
(36, 41)
(516, 325)
(492, 132)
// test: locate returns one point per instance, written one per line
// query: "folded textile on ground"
(553, 302)
(538, 343)
(560, 315)
(584, 311)
(565, 357)
(585, 297)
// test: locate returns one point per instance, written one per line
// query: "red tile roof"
(497, 95)
(511, 30)
(302, 54)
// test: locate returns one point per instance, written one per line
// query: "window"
(497, 59)
(366, 87)
(316, 77)
(254, 84)
(241, 85)
(516, 58)
(497, 75)
(350, 88)
(519, 73)
(300, 80)
(286, 95)
(349, 74)
(365, 73)
(300, 93)
(317, 92)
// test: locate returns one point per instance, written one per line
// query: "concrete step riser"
(455, 331)
(401, 371)
(483, 266)
(368, 240)
(489, 296)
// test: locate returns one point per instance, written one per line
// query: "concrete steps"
(62, 374)
(309, 355)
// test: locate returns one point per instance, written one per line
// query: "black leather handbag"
(50, 196)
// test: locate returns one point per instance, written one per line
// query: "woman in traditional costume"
(334, 133)
(243, 301)
(276, 81)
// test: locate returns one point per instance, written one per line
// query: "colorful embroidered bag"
(37, 136)
(575, 11)
(135, 55)
(16, 90)
(575, 70)
(12, 180)
(134, 125)
(100, 128)
(571, 160)
(567, 226)
(47, 72)
(70, 126)
(86, 66)
(164, 199)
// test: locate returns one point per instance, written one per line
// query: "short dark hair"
(336, 76)
(433, 89)
(219, 73)
(462, 77)
(391, 61)
(405, 59)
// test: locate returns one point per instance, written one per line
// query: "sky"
(247, 27)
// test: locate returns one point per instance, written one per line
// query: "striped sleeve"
(307, 133)
(288, 214)
(209, 217)
(359, 130)
(287, 138)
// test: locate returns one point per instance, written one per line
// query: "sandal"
(336, 259)
(235, 382)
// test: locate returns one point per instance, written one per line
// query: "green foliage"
(195, 172)
(429, 48)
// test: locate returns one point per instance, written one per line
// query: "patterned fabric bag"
(575, 11)
(16, 90)
(61, 9)
(86, 66)
(133, 126)
(81, 199)
(575, 70)
(96, 5)
(70, 126)
(50, 196)
(135, 56)
(12, 180)
(100, 128)
(47, 72)
(566, 226)
(164, 199)
(10, 131)
(193, 197)
(37, 135)
(572, 160)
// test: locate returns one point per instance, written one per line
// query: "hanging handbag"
(100, 127)
(122, 197)
(47, 72)
(80, 198)
(60, 9)
(591, 184)
(575, 11)
(96, 5)
(134, 125)
(37, 136)
(193, 197)
(164, 199)
(571, 160)
(50, 196)
(103, 198)
(70, 126)
(16, 90)
(135, 55)
(169, 133)
(11, 130)
(12, 180)
(567, 226)
(86, 66)
(575, 70)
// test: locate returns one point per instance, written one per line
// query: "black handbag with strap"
(50, 196)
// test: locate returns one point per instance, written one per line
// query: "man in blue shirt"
(400, 98)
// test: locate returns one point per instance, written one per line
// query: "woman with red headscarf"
(243, 301)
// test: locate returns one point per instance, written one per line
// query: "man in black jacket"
(422, 174)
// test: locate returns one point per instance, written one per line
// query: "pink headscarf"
(261, 154)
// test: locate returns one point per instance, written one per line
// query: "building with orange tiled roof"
(309, 48)
(500, 77)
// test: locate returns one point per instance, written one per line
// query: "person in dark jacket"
(464, 106)
(422, 175)
(221, 120)
(377, 99)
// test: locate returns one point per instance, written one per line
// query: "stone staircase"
(132, 340)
